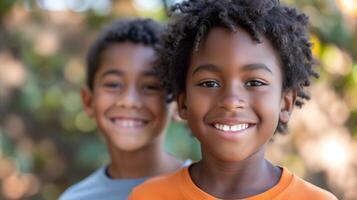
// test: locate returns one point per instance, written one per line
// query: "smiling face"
(127, 101)
(233, 98)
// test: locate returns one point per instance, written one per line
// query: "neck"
(232, 180)
(150, 160)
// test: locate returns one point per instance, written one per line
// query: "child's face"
(233, 98)
(127, 101)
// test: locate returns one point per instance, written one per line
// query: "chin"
(129, 148)
(231, 157)
(126, 146)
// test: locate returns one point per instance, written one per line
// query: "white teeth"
(225, 127)
(235, 128)
(125, 123)
(238, 127)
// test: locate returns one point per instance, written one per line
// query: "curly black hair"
(285, 28)
(136, 30)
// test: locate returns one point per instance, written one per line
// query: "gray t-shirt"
(98, 186)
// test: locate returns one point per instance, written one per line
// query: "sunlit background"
(47, 143)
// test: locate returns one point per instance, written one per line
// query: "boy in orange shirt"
(236, 68)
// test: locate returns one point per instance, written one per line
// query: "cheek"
(268, 106)
(104, 101)
(198, 106)
(195, 104)
(157, 106)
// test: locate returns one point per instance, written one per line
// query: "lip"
(231, 121)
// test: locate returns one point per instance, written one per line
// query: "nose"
(233, 98)
(130, 98)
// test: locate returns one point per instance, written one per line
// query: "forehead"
(128, 57)
(235, 48)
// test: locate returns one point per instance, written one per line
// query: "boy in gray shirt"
(125, 97)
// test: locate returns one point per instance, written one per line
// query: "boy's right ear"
(181, 105)
(87, 98)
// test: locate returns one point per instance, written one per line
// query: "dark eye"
(255, 83)
(113, 85)
(209, 84)
(152, 87)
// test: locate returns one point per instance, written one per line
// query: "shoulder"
(301, 189)
(309, 190)
(99, 186)
(160, 187)
(81, 187)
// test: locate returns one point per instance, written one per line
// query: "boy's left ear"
(287, 105)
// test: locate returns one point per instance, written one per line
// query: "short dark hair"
(285, 28)
(136, 30)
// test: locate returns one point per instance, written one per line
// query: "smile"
(129, 123)
(231, 128)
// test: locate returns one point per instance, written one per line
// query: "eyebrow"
(111, 71)
(249, 67)
(257, 66)
(205, 67)
(151, 72)
(118, 72)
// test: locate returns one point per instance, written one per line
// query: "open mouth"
(231, 128)
(129, 123)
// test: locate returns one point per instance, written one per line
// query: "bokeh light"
(335, 152)
(348, 7)
(46, 43)
(336, 61)
(84, 123)
(74, 71)
(101, 7)
(12, 71)
(147, 5)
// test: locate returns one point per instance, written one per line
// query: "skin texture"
(234, 80)
(128, 104)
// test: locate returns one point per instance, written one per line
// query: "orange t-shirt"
(179, 186)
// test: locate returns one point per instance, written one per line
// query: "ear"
(181, 105)
(287, 105)
(87, 98)
(175, 113)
